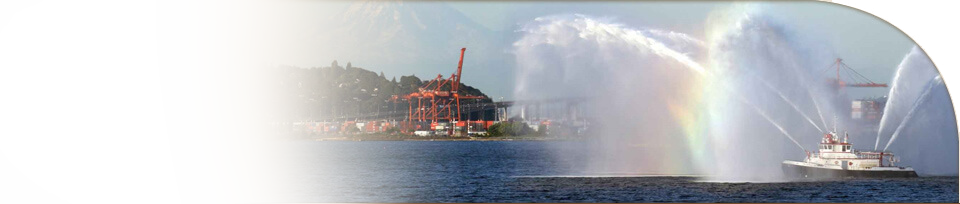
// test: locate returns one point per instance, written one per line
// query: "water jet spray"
(923, 97)
(793, 105)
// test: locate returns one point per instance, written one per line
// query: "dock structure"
(438, 107)
(436, 103)
(474, 117)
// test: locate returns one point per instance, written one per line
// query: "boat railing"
(880, 156)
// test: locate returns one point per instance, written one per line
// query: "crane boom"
(456, 84)
(855, 77)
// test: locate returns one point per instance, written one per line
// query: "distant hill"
(321, 92)
(422, 37)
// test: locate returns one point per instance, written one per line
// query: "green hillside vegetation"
(320, 93)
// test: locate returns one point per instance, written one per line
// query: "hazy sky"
(865, 42)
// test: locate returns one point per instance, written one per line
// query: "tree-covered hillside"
(327, 92)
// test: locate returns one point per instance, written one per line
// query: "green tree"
(509, 128)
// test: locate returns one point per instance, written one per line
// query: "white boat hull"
(813, 170)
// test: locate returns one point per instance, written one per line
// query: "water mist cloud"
(630, 76)
(668, 102)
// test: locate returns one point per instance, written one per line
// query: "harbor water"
(512, 171)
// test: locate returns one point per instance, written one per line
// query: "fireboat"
(836, 159)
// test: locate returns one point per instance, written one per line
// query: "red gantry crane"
(436, 102)
(869, 109)
(855, 77)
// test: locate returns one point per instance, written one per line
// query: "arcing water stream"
(919, 107)
(817, 106)
(794, 106)
(937, 81)
(912, 76)
(775, 124)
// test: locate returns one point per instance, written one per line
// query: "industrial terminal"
(439, 108)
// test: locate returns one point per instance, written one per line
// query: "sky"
(864, 42)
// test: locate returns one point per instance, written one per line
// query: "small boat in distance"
(836, 159)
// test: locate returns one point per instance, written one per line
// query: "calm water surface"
(469, 171)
